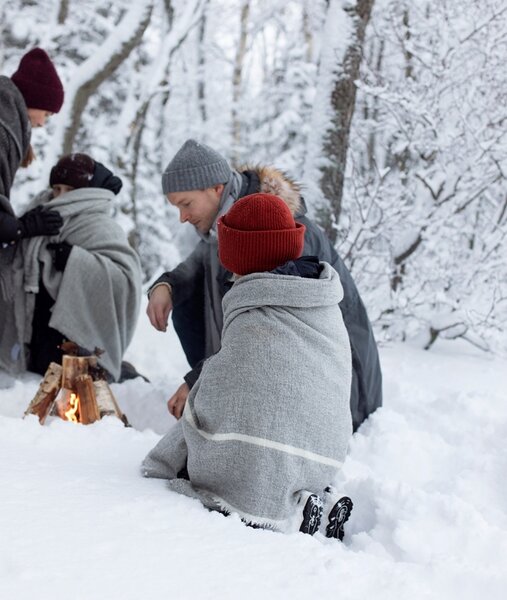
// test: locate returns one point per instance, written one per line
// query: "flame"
(70, 414)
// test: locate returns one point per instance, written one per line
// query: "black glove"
(103, 178)
(40, 222)
(61, 254)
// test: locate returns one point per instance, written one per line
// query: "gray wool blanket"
(98, 294)
(269, 417)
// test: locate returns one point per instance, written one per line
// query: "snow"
(78, 521)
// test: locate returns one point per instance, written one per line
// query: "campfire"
(76, 391)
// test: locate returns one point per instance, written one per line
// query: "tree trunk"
(372, 109)
(63, 11)
(343, 97)
(238, 77)
(201, 60)
(158, 85)
(307, 34)
(96, 69)
(134, 237)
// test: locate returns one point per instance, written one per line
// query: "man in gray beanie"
(195, 167)
(202, 186)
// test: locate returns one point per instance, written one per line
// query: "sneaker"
(312, 514)
(338, 516)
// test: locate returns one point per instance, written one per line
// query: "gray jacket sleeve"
(185, 278)
(10, 230)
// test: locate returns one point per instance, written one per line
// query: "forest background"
(391, 113)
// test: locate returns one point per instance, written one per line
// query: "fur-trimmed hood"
(269, 180)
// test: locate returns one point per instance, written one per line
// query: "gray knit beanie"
(195, 167)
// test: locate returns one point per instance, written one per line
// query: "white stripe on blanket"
(257, 441)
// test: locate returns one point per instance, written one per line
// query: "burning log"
(75, 391)
(88, 408)
(107, 402)
(67, 407)
(45, 397)
(74, 366)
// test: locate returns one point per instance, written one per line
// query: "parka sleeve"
(186, 277)
(10, 228)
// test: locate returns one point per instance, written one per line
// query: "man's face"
(198, 207)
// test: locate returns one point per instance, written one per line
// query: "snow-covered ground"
(426, 473)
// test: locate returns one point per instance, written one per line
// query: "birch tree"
(237, 77)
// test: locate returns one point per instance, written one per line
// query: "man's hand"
(177, 401)
(159, 307)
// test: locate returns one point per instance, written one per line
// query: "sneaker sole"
(338, 516)
(312, 515)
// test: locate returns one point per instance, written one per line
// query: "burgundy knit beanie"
(75, 170)
(258, 234)
(38, 81)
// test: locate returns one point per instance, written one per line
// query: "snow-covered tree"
(424, 225)
(340, 61)
(411, 108)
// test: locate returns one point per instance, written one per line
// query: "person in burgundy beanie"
(266, 426)
(37, 80)
(74, 171)
(27, 99)
(90, 251)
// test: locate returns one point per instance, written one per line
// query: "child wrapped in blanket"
(266, 427)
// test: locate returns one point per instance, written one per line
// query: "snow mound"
(425, 473)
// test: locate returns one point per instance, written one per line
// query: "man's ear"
(219, 188)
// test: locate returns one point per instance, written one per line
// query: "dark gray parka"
(201, 276)
(15, 132)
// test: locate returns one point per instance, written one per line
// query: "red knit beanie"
(38, 81)
(258, 234)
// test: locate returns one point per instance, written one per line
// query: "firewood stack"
(76, 391)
